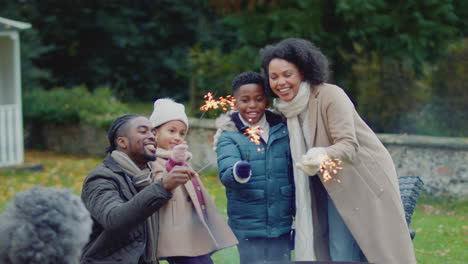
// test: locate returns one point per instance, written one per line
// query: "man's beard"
(145, 156)
(148, 157)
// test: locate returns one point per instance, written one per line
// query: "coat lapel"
(313, 114)
(110, 163)
(193, 196)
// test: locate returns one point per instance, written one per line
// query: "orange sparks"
(254, 134)
(223, 103)
(330, 168)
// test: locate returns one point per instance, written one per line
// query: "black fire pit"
(319, 262)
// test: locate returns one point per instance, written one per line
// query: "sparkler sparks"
(223, 103)
(254, 134)
(330, 168)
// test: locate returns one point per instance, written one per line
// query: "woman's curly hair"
(44, 225)
(304, 54)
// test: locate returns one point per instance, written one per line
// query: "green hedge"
(66, 106)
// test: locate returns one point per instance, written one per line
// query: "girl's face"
(284, 78)
(170, 134)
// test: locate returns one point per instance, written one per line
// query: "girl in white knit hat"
(190, 227)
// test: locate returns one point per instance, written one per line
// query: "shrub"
(68, 106)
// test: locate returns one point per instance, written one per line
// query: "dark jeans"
(204, 259)
(263, 250)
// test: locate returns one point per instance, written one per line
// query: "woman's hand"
(312, 160)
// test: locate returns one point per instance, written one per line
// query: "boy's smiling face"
(251, 102)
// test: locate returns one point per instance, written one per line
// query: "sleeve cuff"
(237, 178)
(170, 164)
(160, 187)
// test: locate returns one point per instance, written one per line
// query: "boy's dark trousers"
(263, 250)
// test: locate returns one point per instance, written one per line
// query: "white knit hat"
(166, 110)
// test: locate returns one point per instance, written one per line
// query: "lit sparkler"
(330, 168)
(254, 134)
(223, 103)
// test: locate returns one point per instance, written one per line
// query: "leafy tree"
(378, 48)
(136, 47)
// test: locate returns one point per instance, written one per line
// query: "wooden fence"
(11, 135)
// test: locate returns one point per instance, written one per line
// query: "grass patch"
(62, 171)
(441, 225)
(441, 231)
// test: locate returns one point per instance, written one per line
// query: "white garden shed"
(11, 115)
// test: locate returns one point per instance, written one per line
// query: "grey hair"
(44, 225)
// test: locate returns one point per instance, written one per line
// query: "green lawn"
(441, 225)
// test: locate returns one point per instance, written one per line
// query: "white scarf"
(294, 110)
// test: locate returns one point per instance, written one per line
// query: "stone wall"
(72, 139)
(442, 163)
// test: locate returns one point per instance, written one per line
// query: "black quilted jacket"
(119, 214)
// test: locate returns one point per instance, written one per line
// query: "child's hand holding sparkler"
(242, 171)
(179, 153)
(178, 156)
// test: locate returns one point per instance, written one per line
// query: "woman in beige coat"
(190, 226)
(358, 215)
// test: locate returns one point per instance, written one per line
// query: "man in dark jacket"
(119, 210)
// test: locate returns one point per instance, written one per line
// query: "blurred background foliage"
(67, 106)
(403, 63)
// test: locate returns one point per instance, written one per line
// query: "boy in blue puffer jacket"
(258, 178)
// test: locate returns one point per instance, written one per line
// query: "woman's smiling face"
(284, 78)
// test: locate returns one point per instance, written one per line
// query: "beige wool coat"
(183, 230)
(368, 196)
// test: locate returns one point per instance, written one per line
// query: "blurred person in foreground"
(120, 211)
(44, 225)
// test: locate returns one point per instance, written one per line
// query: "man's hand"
(177, 176)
